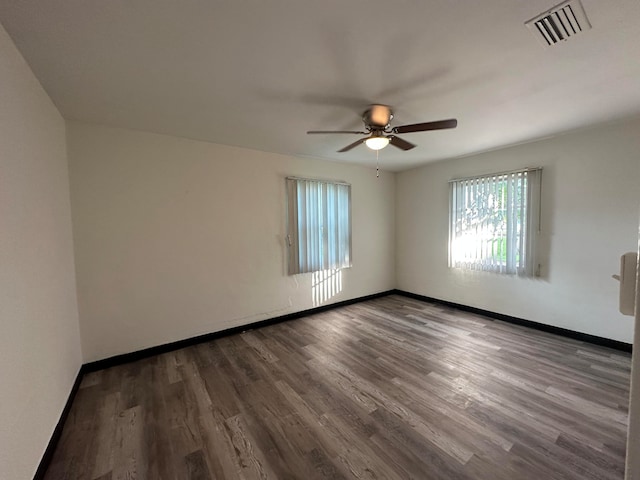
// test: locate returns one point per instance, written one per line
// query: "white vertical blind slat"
(522, 225)
(510, 224)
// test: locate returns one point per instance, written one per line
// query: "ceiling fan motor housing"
(378, 117)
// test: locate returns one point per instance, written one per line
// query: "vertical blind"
(494, 221)
(319, 225)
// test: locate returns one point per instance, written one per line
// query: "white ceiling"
(259, 74)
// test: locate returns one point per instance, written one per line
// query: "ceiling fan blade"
(400, 143)
(353, 145)
(313, 132)
(423, 127)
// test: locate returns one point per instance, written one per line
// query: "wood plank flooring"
(390, 388)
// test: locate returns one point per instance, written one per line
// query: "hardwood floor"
(384, 389)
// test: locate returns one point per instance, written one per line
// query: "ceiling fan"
(377, 120)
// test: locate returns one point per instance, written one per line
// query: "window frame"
(341, 255)
(528, 265)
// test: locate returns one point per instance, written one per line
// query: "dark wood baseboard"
(169, 347)
(57, 431)
(584, 337)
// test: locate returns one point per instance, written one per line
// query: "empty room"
(319, 240)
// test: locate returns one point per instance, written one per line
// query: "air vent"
(562, 22)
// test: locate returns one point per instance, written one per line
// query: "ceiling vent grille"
(562, 22)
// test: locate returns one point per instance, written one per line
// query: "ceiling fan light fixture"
(376, 143)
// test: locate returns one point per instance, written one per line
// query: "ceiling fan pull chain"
(377, 164)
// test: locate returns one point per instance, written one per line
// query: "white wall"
(176, 238)
(591, 194)
(39, 340)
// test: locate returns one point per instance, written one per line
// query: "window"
(494, 220)
(319, 225)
